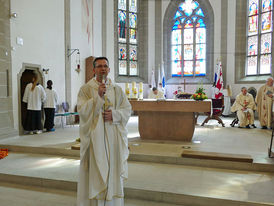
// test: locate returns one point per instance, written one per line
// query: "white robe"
(159, 95)
(264, 104)
(246, 117)
(34, 98)
(104, 146)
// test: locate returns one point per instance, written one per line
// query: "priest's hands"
(107, 115)
(102, 89)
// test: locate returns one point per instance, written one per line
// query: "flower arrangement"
(3, 153)
(199, 94)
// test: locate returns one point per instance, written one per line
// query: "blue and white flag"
(163, 76)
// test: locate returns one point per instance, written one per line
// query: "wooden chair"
(217, 110)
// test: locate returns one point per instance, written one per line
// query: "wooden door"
(89, 68)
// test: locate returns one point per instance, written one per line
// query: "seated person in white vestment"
(244, 106)
(156, 94)
(104, 111)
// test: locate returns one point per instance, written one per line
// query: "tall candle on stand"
(127, 90)
(141, 90)
(134, 90)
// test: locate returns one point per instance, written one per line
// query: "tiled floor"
(177, 179)
(14, 195)
(210, 138)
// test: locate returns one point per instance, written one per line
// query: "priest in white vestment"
(264, 103)
(104, 111)
(244, 105)
(156, 94)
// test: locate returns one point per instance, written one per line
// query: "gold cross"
(107, 103)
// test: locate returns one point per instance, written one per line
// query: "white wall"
(41, 25)
(79, 40)
(110, 36)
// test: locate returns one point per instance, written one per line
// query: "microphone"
(104, 79)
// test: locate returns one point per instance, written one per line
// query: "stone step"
(14, 195)
(171, 184)
(264, 164)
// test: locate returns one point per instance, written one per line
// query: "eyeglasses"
(102, 66)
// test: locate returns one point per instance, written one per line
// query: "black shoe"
(264, 127)
(240, 127)
(254, 126)
(247, 126)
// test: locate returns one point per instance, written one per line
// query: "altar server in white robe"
(227, 104)
(34, 95)
(104, 145)
(244, 105)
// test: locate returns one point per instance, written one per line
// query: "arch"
(167, 29)
(21, 108)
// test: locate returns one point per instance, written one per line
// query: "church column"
(6, 109)
(104, 24)
(158, 36)
(224, 36)
(67, 46)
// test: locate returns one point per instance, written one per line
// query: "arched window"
(127, 38)
(188, 43)
(259, 37)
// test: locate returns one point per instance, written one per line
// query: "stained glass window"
(200, 51)
(188, 40)
(200, 68)
(133, 5)
(253, 25)
(253, 7)
(176, 52)
(133, 52)
(259, 38)
(188, 36)
(188, 52)
(178, 14)
(201, 35)
(122, 4)
(266, 22)
(122, 52)
(176, 36)
(266, 5)
(252, 45)
(127, 37)
(176, 68)
(266, 43)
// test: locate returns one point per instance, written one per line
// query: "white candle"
(134, 90)
(141, 90)
(127, 90)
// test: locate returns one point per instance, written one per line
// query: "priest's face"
(269, 82)
(101, 69)
(244, 91)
